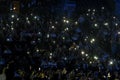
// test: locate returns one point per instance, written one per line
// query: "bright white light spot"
(12, 28)
(114, 17)
(17, 19)
(111, 62)
(119, 32)
(54, 42)
(39, 68)
(90, 62)
(48, 35)
(37, 50)
(12, 16)
(95, 24)
(39, 32)
(28, 52)
(27, 18)
(109, 75)
(87, 14)
(63, 38)
(66, 29)
(14, 8)
(82, 52)
(50, 57)
(51, 54)
(116, 24)
(92, 40)
(86, 55)
(12, 22)
(67, 21)
(75, 48)
(64, 20)
(106, 24)
(65, 58)
(28, 22)
(35, 17)
(95, 57)
(53, 27)
(76, 22)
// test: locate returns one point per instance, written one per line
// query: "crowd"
(34, 47)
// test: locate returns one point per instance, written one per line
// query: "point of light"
(92, 40)
(28, 22)
(76, 22)
(50, 57)
(39, 69)
(14, 8)
(51, 54)
(18, 19)
(48, 35)
(28, 52)
(87, 14)
(12, 22)
(114, 17)
(90, 62)
(86, 55)
(12, 28)
(64, 20)
(82, 52)
(119, 32)
(65, 58)
(108, 75)
(116, 24)
(67, 21)
(111, 62)
(27, 18)
(63, 38)
(95, 57)
(54, 42)
(53, 27)
(12, 16)
(35, 17)
(39, 32)
(37, 50)
(106, 24)
(66, 29)
(95, 24)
